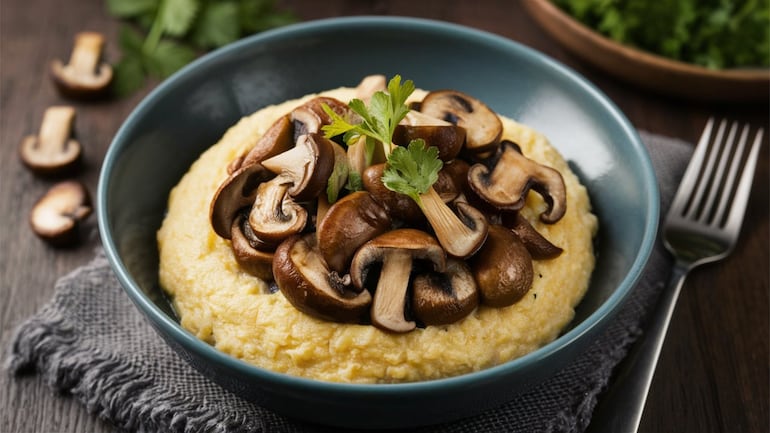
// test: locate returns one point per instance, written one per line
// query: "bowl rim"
(159, 318)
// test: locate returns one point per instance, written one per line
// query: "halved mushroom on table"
(86, 76)
(52, 151)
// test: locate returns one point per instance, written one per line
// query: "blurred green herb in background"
(716, 34)
(165, 35)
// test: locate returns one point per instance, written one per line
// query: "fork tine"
(741, 199)
(686, 185)
(727, 191)
(705, 173)
(717, 181)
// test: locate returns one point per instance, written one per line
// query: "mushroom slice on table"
(441, 298)
(55, 218)
(238, 191)
(502, 268)
(52, 151)
(506, 183)
(395, 250)
(307, 166)
(85, 76)
(447, 137)
(304, 279)
(349, 223)
(274, 215)
(251, 259)
(538, 246)
(483, 127)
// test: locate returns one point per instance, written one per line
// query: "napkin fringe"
(125, 394)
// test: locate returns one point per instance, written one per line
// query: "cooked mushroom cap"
(310, 117)
(277, 139)
(52, 151)
(396, 250)
(252, 260)
(482, 126)
(275, 216)
(398, 206)
(85, 77)
(305, 280)
(348, 224)
(448, 138)
(507, 182)
(56, 216)
(440, 298)
(370, 85)
(502, 268)
(308, 165)
(538, 246)
(237, 191)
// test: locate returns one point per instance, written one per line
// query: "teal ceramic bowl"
(191, 110)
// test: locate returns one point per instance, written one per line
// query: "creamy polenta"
(235, 312)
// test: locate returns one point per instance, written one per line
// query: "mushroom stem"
(56, 128)
(458, 238)
(390, 295)
(86, 53)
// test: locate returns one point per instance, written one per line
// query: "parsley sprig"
(165, 35)
(378, 121)
(410, 170)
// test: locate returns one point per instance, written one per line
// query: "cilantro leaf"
(168, 57)
(413, 170)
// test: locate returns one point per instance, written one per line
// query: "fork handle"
(620, 409)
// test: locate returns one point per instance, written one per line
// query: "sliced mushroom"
(305, 280)
(483, 127)
(307, 165)
(398, 206)
(277, 139)
(348, 224)
(506, 183)
(52, 151)
(56, 217)
(310, 117)
(446, 137)
(370, 85)
(238, 191)
(396, 250)
(461, 234)
(85, 76)
(538, 246)
(441, 298)
(502, 268)
(359, 159)
(252, 260)
(274, 215)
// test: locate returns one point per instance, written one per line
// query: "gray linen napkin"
(91, 342)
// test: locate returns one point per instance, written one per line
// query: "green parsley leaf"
(128, 76)
(131, 8)
(214, 26)
(168, 57)
(176, 16)
(339, 175)
(378, 121)
(413, 170)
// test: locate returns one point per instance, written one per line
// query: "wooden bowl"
(648, 70)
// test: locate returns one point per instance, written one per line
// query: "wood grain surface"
(713, 374)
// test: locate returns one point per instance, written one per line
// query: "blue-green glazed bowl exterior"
(191, 110)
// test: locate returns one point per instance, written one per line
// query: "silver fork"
(702, 226)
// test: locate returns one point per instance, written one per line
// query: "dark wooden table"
(713, 373)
